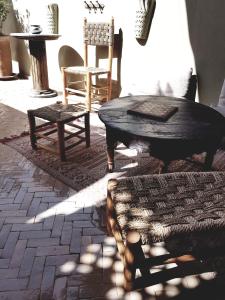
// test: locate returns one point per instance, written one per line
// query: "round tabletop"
(35, 37)
(193, 128)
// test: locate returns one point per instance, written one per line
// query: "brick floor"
(46, 252)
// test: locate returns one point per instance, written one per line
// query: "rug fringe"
(13, 137)
(24, 133)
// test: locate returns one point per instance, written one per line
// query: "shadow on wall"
(69, 57)
(102, 53)
(206, 25)
(118, 46)
(182, 86)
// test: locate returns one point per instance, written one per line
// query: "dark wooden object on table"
(194, 128)
(39, 68)
(58, 115)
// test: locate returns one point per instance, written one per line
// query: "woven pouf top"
(59, 112)
(184, 210)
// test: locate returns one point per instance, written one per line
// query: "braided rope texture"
(141, 25)
(184, 210)
(99, 34)
(58, 112)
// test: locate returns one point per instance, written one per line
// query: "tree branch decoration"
(4, 10)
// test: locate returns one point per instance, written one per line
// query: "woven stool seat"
(59, 112)
(184, 211)
(58, 115)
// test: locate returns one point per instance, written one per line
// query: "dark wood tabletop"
(193, 128)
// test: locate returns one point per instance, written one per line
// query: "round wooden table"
(39, 68)
(193, 128)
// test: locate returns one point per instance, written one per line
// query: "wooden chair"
(95, 34)
(183, 212)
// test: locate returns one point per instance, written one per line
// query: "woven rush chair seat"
(58, 115)
(184, 212)
(83, 70)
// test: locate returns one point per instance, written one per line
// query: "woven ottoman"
(57, 116)
(183, 212)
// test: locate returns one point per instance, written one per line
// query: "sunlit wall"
(166, 57)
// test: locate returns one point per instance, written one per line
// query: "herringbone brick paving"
(51, 246)
(44, 250)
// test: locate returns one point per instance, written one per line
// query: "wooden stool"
(57, 116)
(181, 212)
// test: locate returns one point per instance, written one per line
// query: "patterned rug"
(85, 168)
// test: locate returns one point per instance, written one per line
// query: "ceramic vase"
(35, 29)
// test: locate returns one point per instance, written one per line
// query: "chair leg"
(61, 142)
(109, 84)
(32, 124)
(88, 92)
(65, 93)
(87, 129)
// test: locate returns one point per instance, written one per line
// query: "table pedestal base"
(43, 94)
(12, 76)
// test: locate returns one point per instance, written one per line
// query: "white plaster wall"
(166, 55)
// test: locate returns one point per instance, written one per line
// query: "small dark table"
(39, 68)
(194, 128)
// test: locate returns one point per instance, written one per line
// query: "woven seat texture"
(184, 210)
(84, 70)
(59, 112)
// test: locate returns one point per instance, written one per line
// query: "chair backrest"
(99, 34)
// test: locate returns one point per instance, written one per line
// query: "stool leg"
(209, 159)
(32, 124)
(163, 166)
(87, 128)
(133, 256)
(65, 93)
(61, 142)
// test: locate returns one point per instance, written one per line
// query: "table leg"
(111, 142)
(209, 159)
(39, 70)
(163, 166)
(32, 124)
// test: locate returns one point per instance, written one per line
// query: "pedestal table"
(39, 68)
